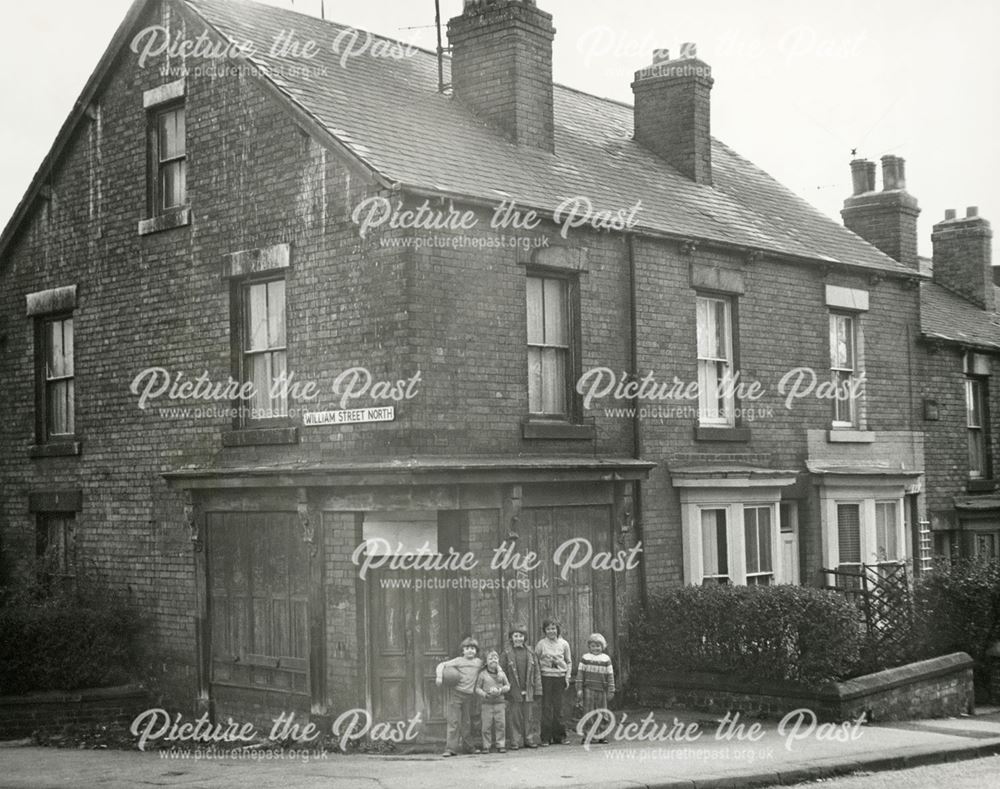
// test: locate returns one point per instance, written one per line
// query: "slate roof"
(947, 316)
(389, 114)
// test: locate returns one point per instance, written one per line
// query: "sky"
(799, 84)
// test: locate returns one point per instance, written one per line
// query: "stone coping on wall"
(892, 678)
(75, 696)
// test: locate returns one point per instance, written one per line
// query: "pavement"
(673, 749)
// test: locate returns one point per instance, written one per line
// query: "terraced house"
(262, 311)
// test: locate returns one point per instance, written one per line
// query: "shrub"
(957, 608)
(752, 632)
(64, 639)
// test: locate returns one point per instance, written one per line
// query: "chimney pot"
(893, 173)
(860, 175)
(971, 211)
(949, 213)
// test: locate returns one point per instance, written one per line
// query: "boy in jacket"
(520, 663)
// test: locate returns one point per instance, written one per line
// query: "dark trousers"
(552, 698)
(521, 728)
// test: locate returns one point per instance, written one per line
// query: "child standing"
(520, 664)
(491, 685)
(458, 706)
(595, 677)
(557, 666)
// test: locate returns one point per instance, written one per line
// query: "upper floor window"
(54, 351)
(975, 422)
(550, 362)
(168, 151)
(715, 361)
(263, 352)
(844, 368)
(58, 397)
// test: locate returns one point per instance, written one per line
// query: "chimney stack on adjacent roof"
(963, 257)
(886, 219)
(673, 111)
(501, 67)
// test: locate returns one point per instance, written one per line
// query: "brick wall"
(773, 336)
(344, 655)
(935, 688)
(254, 179)
(116, 708)
(941, 377)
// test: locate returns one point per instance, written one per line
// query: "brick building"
(718, 386)
(953, 360)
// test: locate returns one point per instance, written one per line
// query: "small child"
(491, 685)
(458, 705)
(595, 677)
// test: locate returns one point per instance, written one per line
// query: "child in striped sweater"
(595, 677)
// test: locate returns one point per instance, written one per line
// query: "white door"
(789, 543)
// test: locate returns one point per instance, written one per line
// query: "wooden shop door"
(415, 624)
(258, 611)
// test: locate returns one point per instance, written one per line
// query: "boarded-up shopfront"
(333, 588)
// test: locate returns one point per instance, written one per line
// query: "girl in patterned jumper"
(595, 677)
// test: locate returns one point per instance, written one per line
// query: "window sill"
(556, 429)
(260, 436)
(719, 433)
(981, 485)
(843, 435)
(175, 217)
(55, 449)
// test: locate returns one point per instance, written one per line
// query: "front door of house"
(415, 624)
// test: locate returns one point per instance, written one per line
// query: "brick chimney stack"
(673, 111)
(501, 67)
(886, 219)
(963, 257)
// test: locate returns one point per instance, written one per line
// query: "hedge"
(753, 632)
(957, 607)
(65, 640)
